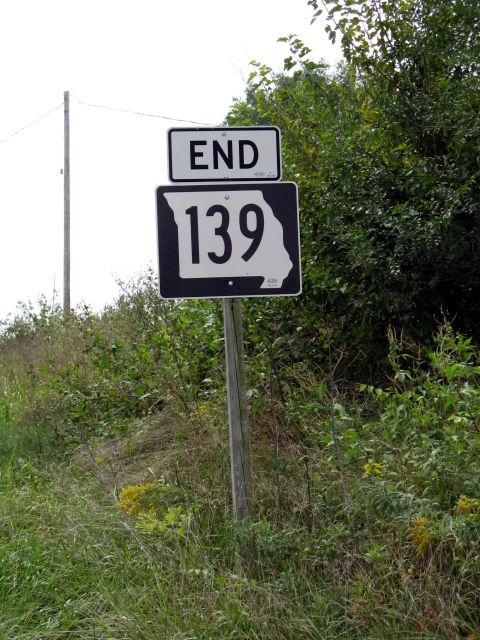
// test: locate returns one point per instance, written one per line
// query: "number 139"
(221, 230)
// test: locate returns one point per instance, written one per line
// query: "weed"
(133, 386)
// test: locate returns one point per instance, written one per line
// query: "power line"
(108, 108)
(30, 124)
(140, 113)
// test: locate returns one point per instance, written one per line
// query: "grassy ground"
(72, 565)
(115, 505)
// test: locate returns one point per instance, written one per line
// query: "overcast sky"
(183, 60)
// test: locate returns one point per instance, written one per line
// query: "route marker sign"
(236, 238)
(227, 241)
(223, 154)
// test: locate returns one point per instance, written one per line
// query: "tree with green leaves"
(386, 152)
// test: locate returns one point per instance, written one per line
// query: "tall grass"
(115, 508)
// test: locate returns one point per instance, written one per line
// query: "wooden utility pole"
(66, 205)
(237, 409)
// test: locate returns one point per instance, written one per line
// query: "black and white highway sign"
(217, 241)
(219, 154)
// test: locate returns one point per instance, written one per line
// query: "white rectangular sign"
(221, 154)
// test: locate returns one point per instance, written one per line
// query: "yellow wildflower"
(374, 470)
(468, 507)
(464, 505)
(420, 534)
(128, 500)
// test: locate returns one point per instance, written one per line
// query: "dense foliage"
(386, 153)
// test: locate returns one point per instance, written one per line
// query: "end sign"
(221, 154)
